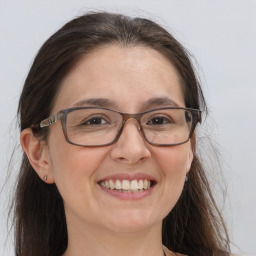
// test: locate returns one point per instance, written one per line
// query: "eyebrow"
(107, 103)
(100, 102)
(159, 101)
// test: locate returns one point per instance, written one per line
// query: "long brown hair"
(194, 226)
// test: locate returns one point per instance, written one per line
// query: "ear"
(38, 155)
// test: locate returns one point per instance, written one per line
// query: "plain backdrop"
(221, 35)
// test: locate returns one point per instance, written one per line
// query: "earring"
(45, 177)
(186, 179)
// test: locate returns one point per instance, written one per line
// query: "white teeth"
(111, 184)
(126, 185)
(107, 184)
(118, 184)
(134, 185)
(146, 184)
(102, 183)
(140, 184)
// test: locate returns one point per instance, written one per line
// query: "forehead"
(127, 76)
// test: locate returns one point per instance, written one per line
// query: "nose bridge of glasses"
(136, 117)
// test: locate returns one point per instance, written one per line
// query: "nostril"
(122, 158)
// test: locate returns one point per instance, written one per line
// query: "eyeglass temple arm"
(199, 117)
(50, 120)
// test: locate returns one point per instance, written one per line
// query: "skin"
(98, 223)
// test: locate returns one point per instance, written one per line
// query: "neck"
(98, 242)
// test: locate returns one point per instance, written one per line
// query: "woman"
(107, 118)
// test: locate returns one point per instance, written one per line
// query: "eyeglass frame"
(62, 116)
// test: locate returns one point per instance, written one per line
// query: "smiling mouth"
(127, 186)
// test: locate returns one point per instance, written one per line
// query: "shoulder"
(169, 253)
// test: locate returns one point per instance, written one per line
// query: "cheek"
(75, 162)
(70, 160)
(174, 161)
(74, 170)
(73, 167)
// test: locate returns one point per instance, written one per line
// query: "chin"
(132, 222)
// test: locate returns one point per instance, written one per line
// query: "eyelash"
(163, 118)
(90, 119)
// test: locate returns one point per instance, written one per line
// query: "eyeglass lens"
(94, 127)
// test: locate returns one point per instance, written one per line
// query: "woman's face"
(130, 80)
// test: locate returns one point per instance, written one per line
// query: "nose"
(131, 146)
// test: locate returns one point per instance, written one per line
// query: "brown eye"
(96, 121)
(159, 120)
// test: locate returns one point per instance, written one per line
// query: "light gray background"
(222, 37)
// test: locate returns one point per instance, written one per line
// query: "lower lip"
(128, 195)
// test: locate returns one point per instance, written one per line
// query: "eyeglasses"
(95, 126)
